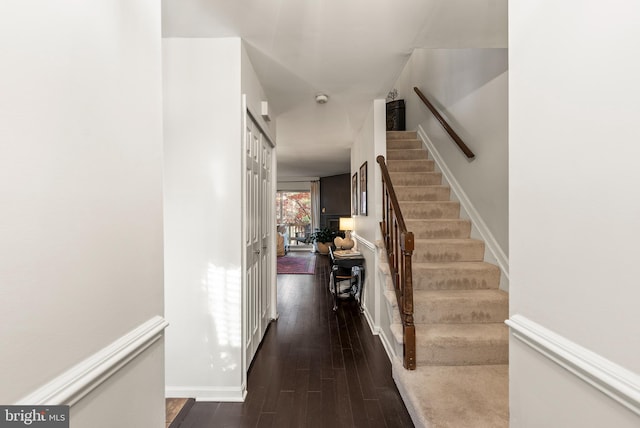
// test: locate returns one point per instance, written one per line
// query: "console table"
(346, 266)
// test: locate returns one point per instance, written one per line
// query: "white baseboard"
(377, 331)
(611, 379)
(74, 384)
(497, 255)
(200, 393)
(388, 346)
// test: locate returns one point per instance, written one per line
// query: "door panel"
(258, 230)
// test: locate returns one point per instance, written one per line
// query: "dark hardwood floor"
(315, 368)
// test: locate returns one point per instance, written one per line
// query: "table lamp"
(346, 224)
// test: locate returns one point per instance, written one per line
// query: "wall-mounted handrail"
(399, 244)
(466, 150)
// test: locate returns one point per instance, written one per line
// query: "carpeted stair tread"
(448, 250)
(430, 209)
(406, 154)
(439, 228)
(412, 165)
(462, 344)
(455, 276)
(460, 306)
(405, 143)
(436, 192)
(401, 135)
(415, 178)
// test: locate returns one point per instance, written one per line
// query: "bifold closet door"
(259, 225)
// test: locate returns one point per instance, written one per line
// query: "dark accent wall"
(335, 199)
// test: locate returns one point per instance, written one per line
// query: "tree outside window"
(293, 207)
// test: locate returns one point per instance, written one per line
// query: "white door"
(268, 229)
(258, 231)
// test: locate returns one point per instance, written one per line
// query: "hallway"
(314, 368)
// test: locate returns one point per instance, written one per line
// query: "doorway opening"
(293, 216)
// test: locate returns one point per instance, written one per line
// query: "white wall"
(203, 222)
(469, 88)
(252, 88)
(81, 208)
(574, 210)
(369, 143)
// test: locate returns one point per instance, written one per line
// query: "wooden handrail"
(466, 150)
(399, 243)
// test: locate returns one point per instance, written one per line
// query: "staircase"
(461, 378)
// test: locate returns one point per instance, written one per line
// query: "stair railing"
(466, 150)
(399, 244)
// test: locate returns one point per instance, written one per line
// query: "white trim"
(263, 129)
(364, 242)
(244, 122)
(378, 331)
(203, 393)
(608, 377)
(367, 316)
(501, 258)
(388, 347)
(74, 384)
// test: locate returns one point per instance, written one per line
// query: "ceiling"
(350, 50)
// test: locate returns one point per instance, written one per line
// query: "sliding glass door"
(293, 215)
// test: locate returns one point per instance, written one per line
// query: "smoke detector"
(321, 98)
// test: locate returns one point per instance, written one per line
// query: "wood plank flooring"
(176, 410)
(315, 368)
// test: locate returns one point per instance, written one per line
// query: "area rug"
(297, 264)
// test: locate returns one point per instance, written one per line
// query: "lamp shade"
(346, 223)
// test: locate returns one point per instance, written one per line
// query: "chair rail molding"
(74, 384)
(498, 255)
(369, 245)
(613, 380)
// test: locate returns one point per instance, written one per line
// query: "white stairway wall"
(574, 210)
(81, 205)
(469, 88)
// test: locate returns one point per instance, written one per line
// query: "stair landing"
(455, 396)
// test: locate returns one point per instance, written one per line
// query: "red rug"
(297, 264)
